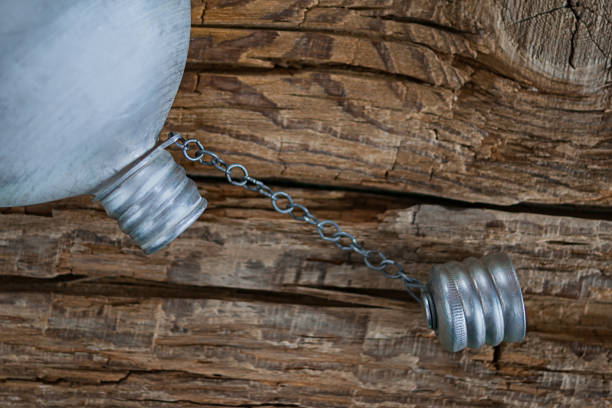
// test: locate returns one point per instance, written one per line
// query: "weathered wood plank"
(240, 242)
(209, 352)
(337, 128)
(246, 306)
(419, 97)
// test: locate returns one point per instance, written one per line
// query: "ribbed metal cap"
(154, 201)
(475, 301)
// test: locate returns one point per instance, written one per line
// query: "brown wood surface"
(432, 130)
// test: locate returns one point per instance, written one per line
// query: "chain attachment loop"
(199, 152)
(372, 258)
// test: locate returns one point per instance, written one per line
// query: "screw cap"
(474, 302)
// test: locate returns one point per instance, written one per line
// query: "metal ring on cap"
(451, 325)
(472, 306)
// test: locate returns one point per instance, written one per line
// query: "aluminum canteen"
(86, 88)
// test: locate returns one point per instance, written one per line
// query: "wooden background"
(431, 129)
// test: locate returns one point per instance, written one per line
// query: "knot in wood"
(568, 40)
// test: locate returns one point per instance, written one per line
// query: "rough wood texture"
(480, 101)
(245, 309)
(351, 106)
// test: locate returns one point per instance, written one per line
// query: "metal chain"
(283, 203)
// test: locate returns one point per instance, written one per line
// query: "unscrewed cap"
(474, 302)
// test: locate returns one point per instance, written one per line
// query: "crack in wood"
(423, 22)
(540, 14)
(306, 11)
(204, 6)
(572, 53)
(497, 350)
(561, 210)
(138, 289)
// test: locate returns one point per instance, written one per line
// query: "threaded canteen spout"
(475, 301)
(154, 201)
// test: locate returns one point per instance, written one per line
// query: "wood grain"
(432, 130)
(418, 97)
(247, 308)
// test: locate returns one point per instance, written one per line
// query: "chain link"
(283, 203)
